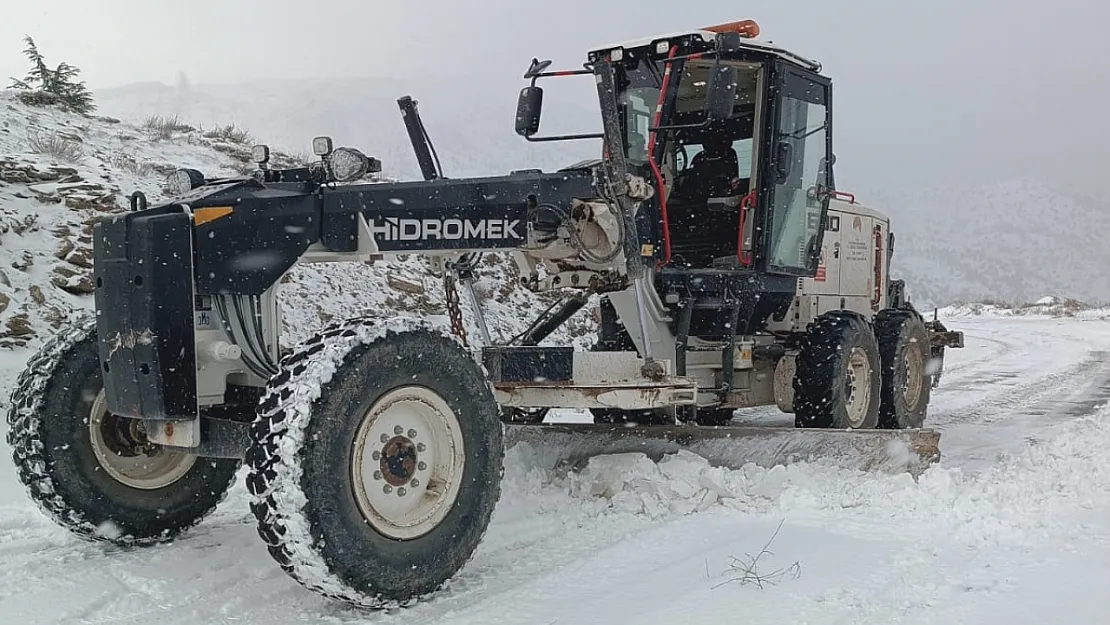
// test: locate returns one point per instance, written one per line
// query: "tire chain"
(24, 421)
(451, 295)
(268, 469)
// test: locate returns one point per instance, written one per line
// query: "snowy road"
(1011, 528)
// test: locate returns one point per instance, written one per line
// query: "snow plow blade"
(569, 446)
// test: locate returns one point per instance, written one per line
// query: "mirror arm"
(596, 135)
(566, 72)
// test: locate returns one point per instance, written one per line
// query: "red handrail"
(660, 189)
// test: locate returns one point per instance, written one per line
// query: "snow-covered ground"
(1009, 528)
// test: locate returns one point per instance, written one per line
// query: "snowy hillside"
(471, 126)
(59, 172)
(1048, 306)
(1012, 241)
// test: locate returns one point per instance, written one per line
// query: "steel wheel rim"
(134, 467)
(407, 462)
(914, 364)
(856, 384)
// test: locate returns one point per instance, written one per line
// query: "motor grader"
(731, 272)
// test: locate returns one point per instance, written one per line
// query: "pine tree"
(60, 82)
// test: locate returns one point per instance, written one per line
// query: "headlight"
(321, 146)
(182, 181)
(260, 154)
(348, 164)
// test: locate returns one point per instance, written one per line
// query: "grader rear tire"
(376, 462)
(904, 351)
(92, 472)
(837, 380)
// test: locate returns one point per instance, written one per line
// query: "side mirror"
(528, 109)
(720, 96)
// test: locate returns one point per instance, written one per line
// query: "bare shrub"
(54, 145)
(244, 169)
(746, 570)
(229, 133)
(128, 163)
(38, 98)
(165, 127)
(301, 158)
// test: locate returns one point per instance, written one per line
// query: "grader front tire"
(376, 463)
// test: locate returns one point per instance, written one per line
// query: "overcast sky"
(944, 88)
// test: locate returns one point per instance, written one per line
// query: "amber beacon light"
(745, 28)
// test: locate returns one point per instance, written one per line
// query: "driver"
(712, 170)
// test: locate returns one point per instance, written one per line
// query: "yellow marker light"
(212, 213)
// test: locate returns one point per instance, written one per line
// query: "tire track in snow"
(1093, 370)
(958, 370)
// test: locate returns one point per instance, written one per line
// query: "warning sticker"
(820, 275)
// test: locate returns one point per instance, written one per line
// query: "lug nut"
(377, 455)
(385, 438)
(387, 489)
(420, 447)
(377, 475)
(421, 466)
(401, 492)
(412, 433)
(414, 483)
(398, 429)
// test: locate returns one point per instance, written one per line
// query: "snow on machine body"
(732, 274)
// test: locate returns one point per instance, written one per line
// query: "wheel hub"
(857, 382)
(914, 366)
(398, 461)
(406, 463)
(124, 452)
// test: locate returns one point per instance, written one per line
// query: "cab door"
(800, 173)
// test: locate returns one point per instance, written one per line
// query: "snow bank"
(1049, 306)
(1022, 498)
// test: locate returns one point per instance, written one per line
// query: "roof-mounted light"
(260, 154)
(182, 181)
(747, 29)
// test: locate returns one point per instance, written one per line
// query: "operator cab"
(759, 165)
(735, 136)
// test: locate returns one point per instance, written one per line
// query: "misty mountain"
(1015, 240)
